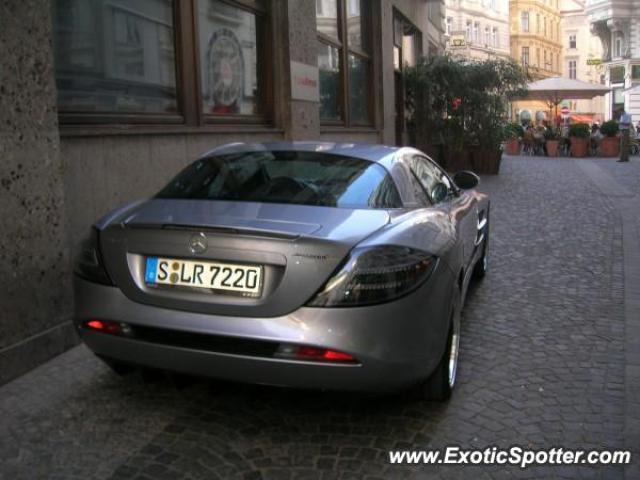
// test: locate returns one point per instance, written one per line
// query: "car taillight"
(89, 263)
(107, 326)
(375, 275)
(314, 354)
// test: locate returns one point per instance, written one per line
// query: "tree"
(460, 103)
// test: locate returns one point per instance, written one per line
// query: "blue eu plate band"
(152, 269)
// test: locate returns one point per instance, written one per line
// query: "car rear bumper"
(396, 343)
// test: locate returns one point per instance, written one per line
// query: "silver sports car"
(305, 264)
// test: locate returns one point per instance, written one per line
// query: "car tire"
(440, 384)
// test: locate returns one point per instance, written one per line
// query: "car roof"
(366, 151)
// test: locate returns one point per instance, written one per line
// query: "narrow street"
(550, 356)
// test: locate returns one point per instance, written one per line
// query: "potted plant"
(610, 144)
(513, 132)
(552, 140)
(579, 135)
(455, 109)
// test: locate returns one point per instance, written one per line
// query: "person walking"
(625, 124)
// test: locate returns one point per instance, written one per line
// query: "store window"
(524, 19)
(135, 61)
(616, 74)
(115, 57)
(344, 61)
(617, 103)
(228, 40)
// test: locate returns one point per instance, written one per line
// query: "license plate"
(228, 277)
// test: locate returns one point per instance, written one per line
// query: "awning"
(582, 118)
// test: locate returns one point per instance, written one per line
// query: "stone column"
(297, 40)
(35, 274)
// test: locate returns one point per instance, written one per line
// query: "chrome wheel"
(454, 348)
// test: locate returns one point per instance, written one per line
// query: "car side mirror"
(439, 192)
(466, 180)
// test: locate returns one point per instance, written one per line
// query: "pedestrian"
(625, 124)
(596, 137)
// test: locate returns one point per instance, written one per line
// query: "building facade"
(103, 102)
(536, 44)
(581, 55)
(616, 23)
(478, 29)
(535, 35)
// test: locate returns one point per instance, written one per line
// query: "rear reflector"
(105, 326)
(314, 354)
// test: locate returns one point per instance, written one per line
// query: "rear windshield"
(303, 178)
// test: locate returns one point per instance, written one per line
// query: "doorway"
(407, 48)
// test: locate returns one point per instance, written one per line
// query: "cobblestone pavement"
(542, 365)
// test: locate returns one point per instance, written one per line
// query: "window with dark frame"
(344, 62)
(187, 62)
(525, 56)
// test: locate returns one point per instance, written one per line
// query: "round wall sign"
(225, 72)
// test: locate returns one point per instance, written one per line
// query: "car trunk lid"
(297, 247)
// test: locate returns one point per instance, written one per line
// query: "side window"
(419, 192)
(434, 181)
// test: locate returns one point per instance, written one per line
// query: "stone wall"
(34, 265)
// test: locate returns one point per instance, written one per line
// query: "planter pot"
(552, 148)
(486, 162)
(512, 146)
(579, 147)
(610, 147)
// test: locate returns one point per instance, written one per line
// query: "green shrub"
(610, 128)
(462, 104)
(579, 130)
(513, 130)
(551, 134)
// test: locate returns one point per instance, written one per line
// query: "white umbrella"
(556, 89)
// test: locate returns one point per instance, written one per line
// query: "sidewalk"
(620, 182)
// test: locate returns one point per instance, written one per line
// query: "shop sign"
(305, 84)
